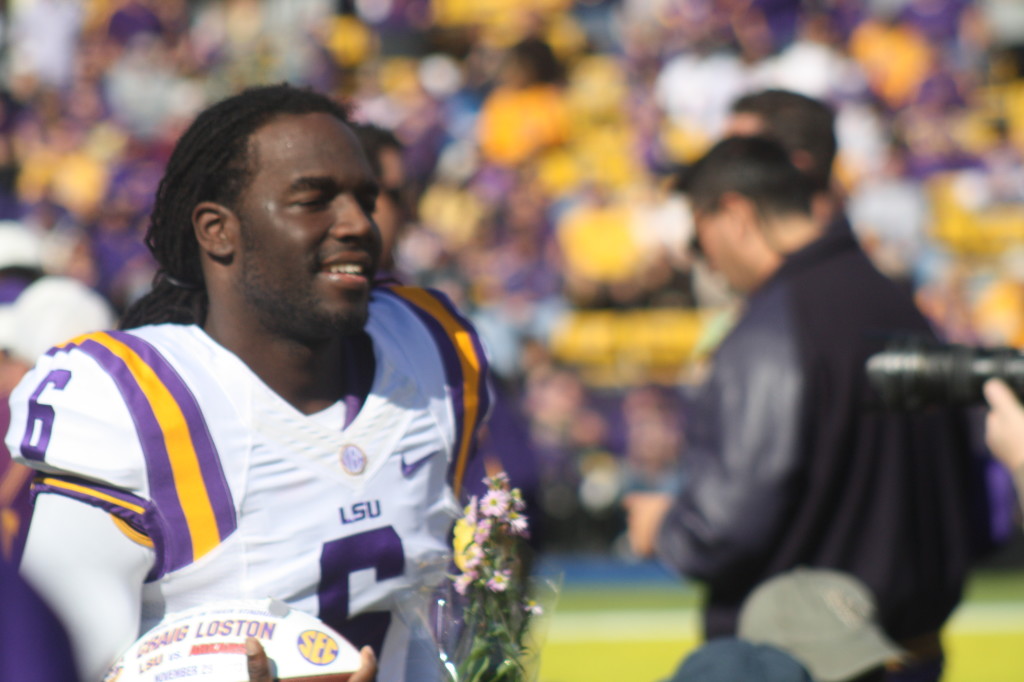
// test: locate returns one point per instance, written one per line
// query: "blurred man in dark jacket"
(787, 463)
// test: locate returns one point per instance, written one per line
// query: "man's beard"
(290, 309)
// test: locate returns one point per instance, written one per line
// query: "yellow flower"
(463, 538)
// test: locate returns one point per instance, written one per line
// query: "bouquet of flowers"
(480, 618)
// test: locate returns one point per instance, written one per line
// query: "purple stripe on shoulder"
(177, 551)
(209, 462)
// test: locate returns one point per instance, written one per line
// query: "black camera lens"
(915, 375)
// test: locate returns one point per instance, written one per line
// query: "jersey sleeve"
(91, 575)
(68, 419)
(461, 370)
(106, 419)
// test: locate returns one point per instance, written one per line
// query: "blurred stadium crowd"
(538, 138)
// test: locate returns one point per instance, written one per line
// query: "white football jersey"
(239, 494)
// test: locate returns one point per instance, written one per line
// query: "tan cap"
(826, 619)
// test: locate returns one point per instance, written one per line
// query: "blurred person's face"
(732, 242)
(515, 74)
(389, 212)
(10, 374)
(715, 233)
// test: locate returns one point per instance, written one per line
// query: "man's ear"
(216, 228)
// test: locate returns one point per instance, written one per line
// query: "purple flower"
(474, 556)
(463, 582)
(483, 531)
(470, 512)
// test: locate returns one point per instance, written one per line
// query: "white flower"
(497, 481)
(469, 513)
(499, 581)
(495, 503)
(519, 525)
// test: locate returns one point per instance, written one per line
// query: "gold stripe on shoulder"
(184, 460)
(133, 534)
(91, 492)
(96, 336)
(470, 362)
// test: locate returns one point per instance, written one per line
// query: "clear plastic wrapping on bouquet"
(485, 621)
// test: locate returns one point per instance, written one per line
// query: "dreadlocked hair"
(209, 163)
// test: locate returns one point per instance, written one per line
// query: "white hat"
(50, 311)
(19, 246)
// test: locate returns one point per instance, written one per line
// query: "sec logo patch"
(353, 460)
(318, 647)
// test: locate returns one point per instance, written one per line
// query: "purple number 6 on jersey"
(380, 549)
(40, 417)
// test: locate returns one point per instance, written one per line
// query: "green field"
(624, 633)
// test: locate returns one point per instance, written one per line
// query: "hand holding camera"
(1004, 425)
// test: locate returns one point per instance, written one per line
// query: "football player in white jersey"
(266, 423)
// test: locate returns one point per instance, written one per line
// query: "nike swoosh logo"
(410, 469)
